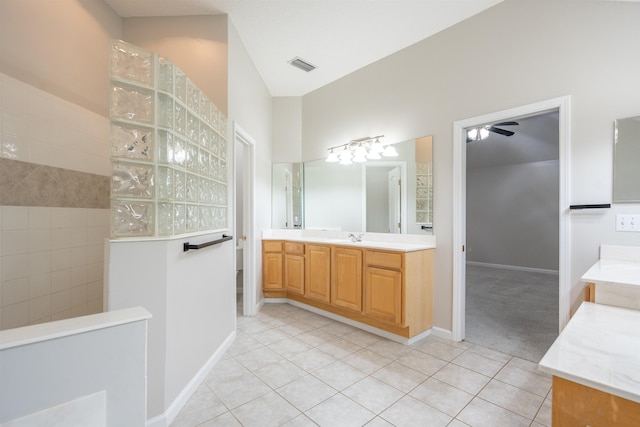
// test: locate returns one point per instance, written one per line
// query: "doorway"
(512, 223)
(245, 236)
(562, 105)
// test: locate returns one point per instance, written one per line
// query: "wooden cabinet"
(294, 277)
(390, 290)
(318, 273)
(346, 278)
(383, 290)
(398, 288)
(272, 267)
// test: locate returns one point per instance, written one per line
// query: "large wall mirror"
(393, 195)
(626, 173)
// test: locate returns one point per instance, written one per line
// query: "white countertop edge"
(593, 384)
(16, 337)
(613, 271)
(583, 368)
(383, 241)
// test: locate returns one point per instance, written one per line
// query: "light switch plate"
(628, 222)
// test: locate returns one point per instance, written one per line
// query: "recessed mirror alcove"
(393, 195)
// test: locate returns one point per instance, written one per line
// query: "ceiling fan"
(480, 133)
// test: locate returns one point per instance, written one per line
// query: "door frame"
(249, 259)
(563, 105)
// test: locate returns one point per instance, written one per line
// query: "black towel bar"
(596, 206)
(224, 238)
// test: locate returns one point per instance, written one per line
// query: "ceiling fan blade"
(501, 131)
(506, 124)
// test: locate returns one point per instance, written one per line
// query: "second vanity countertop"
(383, 241)
(617, 264)
(599, 348)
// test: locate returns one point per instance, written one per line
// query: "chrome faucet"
(355, 238)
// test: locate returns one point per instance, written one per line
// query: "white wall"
(250, 106)
(512, 215)
(191, 296)
(60, 47)
(287, 129)
(515, 53)
(44, 366)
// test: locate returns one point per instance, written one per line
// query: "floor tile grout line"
(395, 358)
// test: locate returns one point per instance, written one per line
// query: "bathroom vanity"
(615, 278)
(595, 361)
(384, 281)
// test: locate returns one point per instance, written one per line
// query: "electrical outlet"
(628, 222)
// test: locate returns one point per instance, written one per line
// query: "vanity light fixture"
(360, 150)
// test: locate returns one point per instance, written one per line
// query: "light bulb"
(359, 158)
(390, 151)
(333, 157)
(373, 155)
(377, 146)
(345, 161)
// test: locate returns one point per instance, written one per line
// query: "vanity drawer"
(384, 259)
(295, 248)
(272, 245)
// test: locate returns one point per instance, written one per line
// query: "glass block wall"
(168, 150)
(424, 193)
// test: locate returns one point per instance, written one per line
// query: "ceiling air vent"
(303, 65)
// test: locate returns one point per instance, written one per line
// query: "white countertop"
(393, 242)
(617, 264)
(76, 325)
(614, 271)
(599, 348)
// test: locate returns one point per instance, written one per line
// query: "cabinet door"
(294, 273)
(318, 273)
(272, 271)
(346, 278)
(383, 294)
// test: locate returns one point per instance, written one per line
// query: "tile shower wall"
(51, 263)
(54, 206)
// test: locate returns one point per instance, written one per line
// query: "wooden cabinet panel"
(272, 271)
(272, 246)
(575, 404)
(318, 273)
(384, 259)
(294, 273)
(296, 248)
(346, 278)
(383, 294)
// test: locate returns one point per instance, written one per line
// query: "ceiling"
(337, 36)
(536, 139)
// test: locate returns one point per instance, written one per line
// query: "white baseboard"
(442, 333)
(275, 300)
(356, 324)
(166, 418)
(513, 267)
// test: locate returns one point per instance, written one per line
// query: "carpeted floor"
(512, 311)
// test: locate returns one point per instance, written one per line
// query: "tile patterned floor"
(289, 367)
